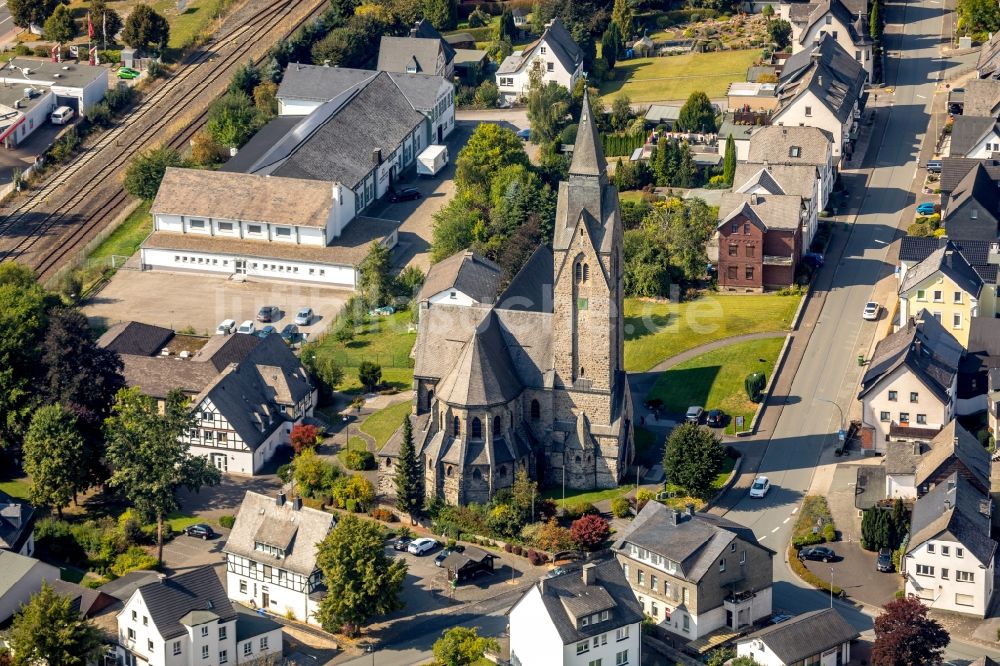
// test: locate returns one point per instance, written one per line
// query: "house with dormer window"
(555, 55)
(271, 555)
(580, 618)
(186, 620)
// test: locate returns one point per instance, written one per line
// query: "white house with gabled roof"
(554, 53)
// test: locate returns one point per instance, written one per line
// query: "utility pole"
(831, 587)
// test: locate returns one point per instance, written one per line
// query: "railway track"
(46, 229)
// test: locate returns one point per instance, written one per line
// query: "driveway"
(854, 571)
(185, 553)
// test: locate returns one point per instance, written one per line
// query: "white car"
(304, 317)
(421, 546)
(247, 327)
(227, 327)
(872, 310)
(760, 487)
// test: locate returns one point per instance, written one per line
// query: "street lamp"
(347, 444)
(831, 587)
(843, 422)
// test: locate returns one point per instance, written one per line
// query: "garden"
(664, 78)
(814, 525)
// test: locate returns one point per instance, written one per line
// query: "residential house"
(187, 619)
(86, 601)
(988, 62)
(981, 357)
(822, 86)
(811, 21)
(982, 256)
(305, 88)
(246, 392)
(972, 211)
(950, 556)
(759, 237)
(555, 54)
(20, 577)
(821, 637)
(947, 285)
(583, 618)
(741, 133)
(423, 51)
(695, 573)
(17, 525)
(271, 555)
(464, 278)
(974, 137)
(955, 169)
(782, 146)
(911, 380)
(796, 180)
(981, 97)
(913, 468)
(752, 96)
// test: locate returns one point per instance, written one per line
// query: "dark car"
(405, 194)
(525, 134)
(290, 333)
(266, 331)
(443, 555)
(715, 418)
(201, 531)
(884, 563)
(814, 259)
(401, 543)
(269, 313)
(819, 553)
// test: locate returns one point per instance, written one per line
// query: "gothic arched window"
(586, 272)
(579, 272)
(456, 428)
(536, 410)
(496, 426)
(477, 428)
(477, 475)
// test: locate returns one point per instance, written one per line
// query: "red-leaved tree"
(304, 436)
(590, 531)
(905, 636)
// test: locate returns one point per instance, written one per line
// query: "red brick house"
(760, 241)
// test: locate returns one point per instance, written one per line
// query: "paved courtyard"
(181, 300)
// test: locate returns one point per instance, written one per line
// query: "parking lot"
(180, 301)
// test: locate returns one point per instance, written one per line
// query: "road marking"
(795, 510)
(921, 96)
(786, 520)
(762, 538)
(774, 530)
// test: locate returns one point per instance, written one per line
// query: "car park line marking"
(921, 96)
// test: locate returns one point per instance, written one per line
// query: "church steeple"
(588, 152)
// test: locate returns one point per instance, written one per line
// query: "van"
(934, 166)
(62, 115)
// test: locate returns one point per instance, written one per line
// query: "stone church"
(533, 376)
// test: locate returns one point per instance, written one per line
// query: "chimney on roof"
(162, 578)
(589, 574)
(690, 509)
(918, 345)
(541, 585)
(947, 505)
(297, 503)
(280, 501)
(819, 80)
(413, 30)
(815, 54)
(753, 199)
(916, 448)
(377, 156)
(675, 516)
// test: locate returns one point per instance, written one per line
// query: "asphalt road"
(829, 370)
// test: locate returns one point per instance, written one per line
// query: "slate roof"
(560, 43)
(857, 26)
(588, 149)
(755, 176)
(773, 145)
(311, 527)
(793, 179)
(918, 248)
(981, 98)
(122, 588)
(901, 457)
(968, 131)
(769, 211)
(84, 600)
(975, 252)
(249, 624)
(924, 347)
(984, 336)
(531, 289)
(693, 542)
(568, 597)
(17, 521)
(834, 77)
(260, 144)
(953, 509)
(979, 186)
(955, 443)
(467, 272)
(947, 261)
(133, 337)
(805, 635)
(954, 169)
(483, 374)
(988, 63)
(318, 83)
(397, 54)
(171, 599)
(212, 194)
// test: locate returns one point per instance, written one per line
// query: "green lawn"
(176, 522)
(676, 77)
(355, 443)
(384, 422)
(126, 239)
(18, 488)
(386, 341)
(715, 379)
(581, 496)
(657, 331)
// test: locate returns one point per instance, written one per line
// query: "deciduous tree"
(692, 458)
(55, 457)
(107, 22)
(145, 172)
(905, 636)
(978, 16)
(26, 13)
(233, 119)
(489, 148)
(622, 16)
(409, 474)
(375, 279)
(60, 26)
(462, 646)
(621, 112)
(779, 31)
(442, 14)
(150, 463)
(145, 28)
(362, 581)
(548, 104)
(304, 436)
(590, 531)
(49, 630)
(245, 78)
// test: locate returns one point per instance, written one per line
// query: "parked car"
(405, 194)
(290, 333)
(247, 327)
(694, 414)
(304, 317)
(760, 487)
(62, 115)
(128, 73)
(814, 259)
(383, 311)
(401, 543)
(872, 310)
(819, 553)
(715, 418)
(525, 134)
(443, 555)
(884, 562)
(266, 331)
(421, 546)
(934, 166)
(200, 530)
(926, 208)
(227, 327)
(269, 313)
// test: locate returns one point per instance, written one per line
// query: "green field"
(656, 331)
(386, 341)
(676, 77)
(714, 380)
(18, 488)
(384, 422)
(581, 496)
(126, 239)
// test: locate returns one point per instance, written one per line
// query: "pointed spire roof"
(483, 374)
(588, 152)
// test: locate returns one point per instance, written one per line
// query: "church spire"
(588, 153)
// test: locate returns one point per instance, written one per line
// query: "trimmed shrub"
(642, 498)
(507, 548)
(227, 521)
(580, 509)
(518, 550)
(809, 539)
(385, 515)
(359, 461)
(132, 559)
(620, 507)
(829, 533)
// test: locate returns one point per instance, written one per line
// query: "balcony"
(773, 260)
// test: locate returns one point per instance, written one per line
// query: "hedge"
(620, 145)
(803, 572)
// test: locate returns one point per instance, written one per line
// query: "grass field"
(676, 77)
(581, 496)
(18, 488)
(714, 380)
(386, 341)
(656, 331)
(384, 422)
(126, 239)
